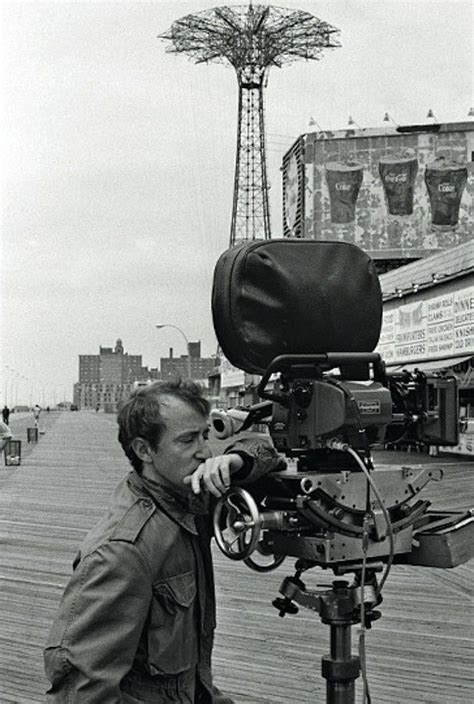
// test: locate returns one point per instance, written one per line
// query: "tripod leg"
(340, 668)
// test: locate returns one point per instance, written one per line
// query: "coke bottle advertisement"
(445, 183)
(344, 181)
(398, 178)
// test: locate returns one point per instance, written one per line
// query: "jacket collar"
(181, 507)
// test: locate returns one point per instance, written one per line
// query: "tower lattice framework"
(252, 38)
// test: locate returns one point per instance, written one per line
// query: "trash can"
(32, 434)
(12, 453)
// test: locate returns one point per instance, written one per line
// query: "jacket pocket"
(172, 634)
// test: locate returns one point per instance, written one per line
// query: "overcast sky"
(119, 158)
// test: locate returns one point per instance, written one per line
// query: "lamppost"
(168, 325)
(5, 393)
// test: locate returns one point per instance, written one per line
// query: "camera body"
(319, 409)
(312, 403)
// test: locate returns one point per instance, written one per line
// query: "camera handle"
(338, 607)
(323, 361)
(237, 524)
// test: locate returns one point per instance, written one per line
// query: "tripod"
(340, 608)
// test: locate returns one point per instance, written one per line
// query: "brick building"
(107, 378)
(196, 366)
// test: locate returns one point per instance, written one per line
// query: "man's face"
(183, 445)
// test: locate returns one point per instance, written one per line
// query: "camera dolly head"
(336, 511)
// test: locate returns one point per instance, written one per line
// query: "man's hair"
(140, 416)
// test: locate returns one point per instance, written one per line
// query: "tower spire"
(252, 39)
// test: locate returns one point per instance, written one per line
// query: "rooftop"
(445, 264)
(390, 130)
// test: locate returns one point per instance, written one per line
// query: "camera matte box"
(294, 296)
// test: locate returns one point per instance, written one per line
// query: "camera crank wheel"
(263, 559)
(237, 524)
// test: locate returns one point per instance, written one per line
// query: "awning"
(432, 365)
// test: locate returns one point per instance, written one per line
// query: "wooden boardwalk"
(420, 651)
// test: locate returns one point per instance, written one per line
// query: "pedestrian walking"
(36, 414)
(5, 414)
(5, 435)
(137, 618)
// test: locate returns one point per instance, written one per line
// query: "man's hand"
(214, 474)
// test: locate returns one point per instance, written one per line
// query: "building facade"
(107, 379)
(428, 324)
(399, 193)
(195, 366)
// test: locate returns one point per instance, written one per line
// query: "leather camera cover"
(294, 296)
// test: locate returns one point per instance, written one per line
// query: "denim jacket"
(136, 620)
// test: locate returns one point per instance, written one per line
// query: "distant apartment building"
(107, 379)
(196, 366)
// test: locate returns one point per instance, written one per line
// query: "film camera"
(306, 316)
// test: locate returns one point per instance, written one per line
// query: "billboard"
(395, 192)
(436, 327)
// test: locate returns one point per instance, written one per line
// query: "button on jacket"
(136, 620)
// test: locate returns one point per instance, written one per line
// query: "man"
(36, 414)
(137, 618)
(5, 435)
(5, 414)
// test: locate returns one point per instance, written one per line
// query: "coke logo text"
(396, 178)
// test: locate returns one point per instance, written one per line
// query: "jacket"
(137, 619)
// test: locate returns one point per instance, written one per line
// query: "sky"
(118, 161)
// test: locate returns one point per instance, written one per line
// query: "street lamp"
(5, 392)
(168, 325)
(388, 118)
(351, 122)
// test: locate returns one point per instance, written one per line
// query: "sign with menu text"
(434, 328)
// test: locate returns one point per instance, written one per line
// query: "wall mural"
(400, 193)
(445, 183)
(398, 175)
(344, 181)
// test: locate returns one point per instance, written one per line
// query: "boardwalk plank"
(419, 652)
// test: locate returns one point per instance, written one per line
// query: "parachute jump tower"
(252, 38)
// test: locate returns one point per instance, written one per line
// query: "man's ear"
(141, 448)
